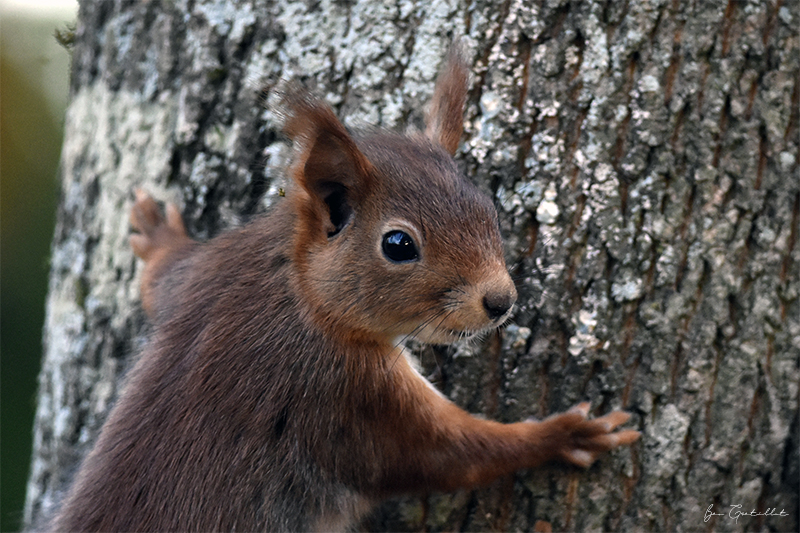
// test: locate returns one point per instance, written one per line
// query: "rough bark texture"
(644, 160)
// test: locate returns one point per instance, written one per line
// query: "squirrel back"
(275, 393)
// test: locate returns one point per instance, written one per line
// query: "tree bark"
(644, 161)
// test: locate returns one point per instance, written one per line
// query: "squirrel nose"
(497, 304)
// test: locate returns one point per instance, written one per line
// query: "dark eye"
(399, 247)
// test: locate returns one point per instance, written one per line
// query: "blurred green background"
(34, 81)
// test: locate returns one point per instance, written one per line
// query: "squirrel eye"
(399, 247)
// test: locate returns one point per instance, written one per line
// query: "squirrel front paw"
(579, 440)
(156, 242)
(156, 233)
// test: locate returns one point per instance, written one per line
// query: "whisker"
(419, 327)
(406, 337)
(446, 315)
(435, 360)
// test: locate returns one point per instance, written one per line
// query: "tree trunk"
(644, 160)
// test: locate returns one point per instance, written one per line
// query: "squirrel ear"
(445, 120)
(328, 165)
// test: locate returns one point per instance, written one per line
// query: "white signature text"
(736, 512)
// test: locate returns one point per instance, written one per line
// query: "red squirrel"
(275, 393)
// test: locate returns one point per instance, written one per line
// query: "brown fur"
(274, 394)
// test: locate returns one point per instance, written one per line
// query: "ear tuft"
(445, 120)
(321, 139)
(327, 162)
(305, 114)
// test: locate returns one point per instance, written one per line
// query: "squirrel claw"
(582, 408)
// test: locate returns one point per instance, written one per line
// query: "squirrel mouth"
(467, 334)
(442, 334)
(462, 334)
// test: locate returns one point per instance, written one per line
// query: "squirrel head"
(390, 239)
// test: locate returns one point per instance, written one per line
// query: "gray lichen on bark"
(644, 161)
